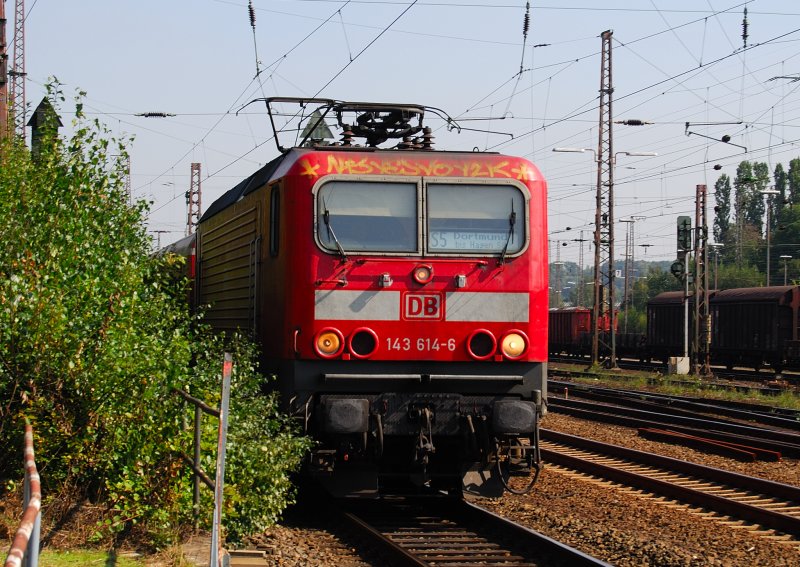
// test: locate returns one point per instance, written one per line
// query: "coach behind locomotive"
(399, 295)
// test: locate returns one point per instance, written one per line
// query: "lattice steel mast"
(702, 329)
(16, 99)
(604, 213)
(3, 72)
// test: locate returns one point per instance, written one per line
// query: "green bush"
(94, 336)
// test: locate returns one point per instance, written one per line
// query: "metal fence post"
(32, 550)
(198, 414)
(219, 480)
(26, 540)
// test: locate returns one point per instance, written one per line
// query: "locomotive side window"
(479, 218)
(367, 216)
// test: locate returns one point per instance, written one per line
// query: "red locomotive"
(399, 295)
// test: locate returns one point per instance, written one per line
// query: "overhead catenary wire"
(718, 94)
(226, 166)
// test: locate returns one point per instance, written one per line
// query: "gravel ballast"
(604, 520)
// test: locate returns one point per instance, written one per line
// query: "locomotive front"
(402, 303)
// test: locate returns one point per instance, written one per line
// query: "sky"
(673, 62)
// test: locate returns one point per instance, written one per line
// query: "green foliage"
(793, 181)
(261, 448)
(722, 218)
(94, 335)
(732, 276)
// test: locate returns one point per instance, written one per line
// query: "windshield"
(367, 216)
(480, 218)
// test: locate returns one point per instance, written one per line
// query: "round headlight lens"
(423, 274)
(329, 342)
(513, 345)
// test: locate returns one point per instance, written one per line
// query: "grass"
(77, 558)
(688, 386)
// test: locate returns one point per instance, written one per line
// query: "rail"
(25, 546)
(216, 484)
(446, 531)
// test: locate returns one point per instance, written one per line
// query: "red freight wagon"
(570, 330)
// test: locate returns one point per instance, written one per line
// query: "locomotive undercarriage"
(387, 427)
(448, 441)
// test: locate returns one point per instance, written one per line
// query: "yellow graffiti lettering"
(463, 168)
(442, 169)
(498, 170)
(335, 165)
(426, 169)
(523, 172)
(308, 169)
(384, 167)
(432, 168)
(475, 170)
(408, 168)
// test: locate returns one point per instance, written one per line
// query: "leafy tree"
(793, 181)
(782, 200)
(722, 217)
(93, 338)
(786, 236)
(658, 281)
(732, 276)
(750, 180)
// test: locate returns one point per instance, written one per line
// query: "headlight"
(514, 344)
(422, 274)
(329, 343)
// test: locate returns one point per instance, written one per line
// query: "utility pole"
(579, 291)
(126, 164)
(604, 212)
(3, 72)
(559, 280)
(627, 271)
(158, 237)
(17, 73)
(193, 200)
(702, 328)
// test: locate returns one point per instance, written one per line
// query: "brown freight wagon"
(754, 326)
(665, 325)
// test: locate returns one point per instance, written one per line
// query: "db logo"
(422, 306)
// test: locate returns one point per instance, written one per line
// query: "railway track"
(784, 442)
(744, 385)
(767, 508)
(682, 406)
(455, 533)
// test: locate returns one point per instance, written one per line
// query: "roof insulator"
(526, 24)
(154, 114)
(427, 138)
(632, 122)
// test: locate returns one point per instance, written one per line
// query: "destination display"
(467, 240)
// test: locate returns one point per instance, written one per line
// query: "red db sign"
(422, 306)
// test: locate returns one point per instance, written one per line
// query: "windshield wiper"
(326, 217)
(512, 220)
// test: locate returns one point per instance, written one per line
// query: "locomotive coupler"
(479, 441)
(424, 447)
